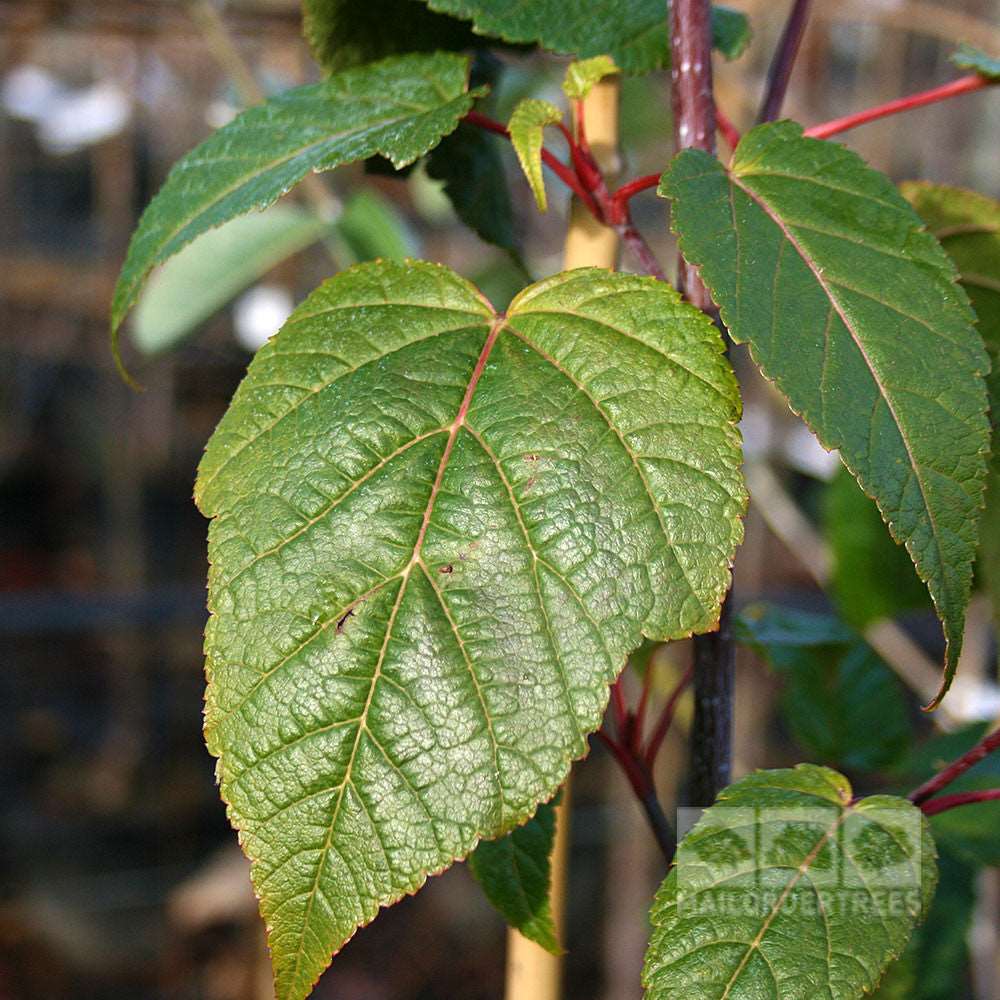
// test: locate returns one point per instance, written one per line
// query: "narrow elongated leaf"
(469, 162)
(526, 126)
(633, 32)
(968, 226)
(400, 107)
(851, 308)
(437, 532)
(842, 704)
(218, 265)
(968, 57)
(786, 887)
(371, 228)
(514, 872)
(584, 73)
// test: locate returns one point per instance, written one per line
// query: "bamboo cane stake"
(532, 972)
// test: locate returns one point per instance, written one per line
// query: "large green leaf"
(400, 108)
(968, 226)
(218, 265)
(514, 872)
(437, 532)
(346, 33)
(852, 309)
(633, 32)
(788, 887)
(841, 702)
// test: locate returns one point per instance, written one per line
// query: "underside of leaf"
(437, 532)
(852, 308)
(399, 108)
(785, 888)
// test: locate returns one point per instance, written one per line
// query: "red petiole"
(934, 806)
(963, 85)
(987, 745)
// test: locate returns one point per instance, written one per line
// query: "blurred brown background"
(119, 876)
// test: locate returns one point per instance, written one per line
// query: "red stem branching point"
(987, 745)
(945, 802)
(963, 85)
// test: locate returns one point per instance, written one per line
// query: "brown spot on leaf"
(342, 621)
(447, 568)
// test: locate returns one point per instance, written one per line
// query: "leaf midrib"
(916, 468)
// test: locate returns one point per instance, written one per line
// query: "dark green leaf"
(788, 887)
(514, 872)
(632, 32)
(470, 164)
(968, 226)
(841, 702)
(437, 532)
(399, 107)
(873, 578)
(852, 309)
(218, 265)
(979, 62)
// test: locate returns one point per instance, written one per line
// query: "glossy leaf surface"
(437, 532)
(400, 108)
(852, 309)
(787, 888)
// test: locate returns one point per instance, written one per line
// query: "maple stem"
(963, 85)
(986, 746)
(694, 127)
(946, 802)
(780, 72)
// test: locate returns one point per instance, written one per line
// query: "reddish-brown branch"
(963, 85)
(987, 745)
(618, 705)
(632, 188)
(946, 802)
(666, 718)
